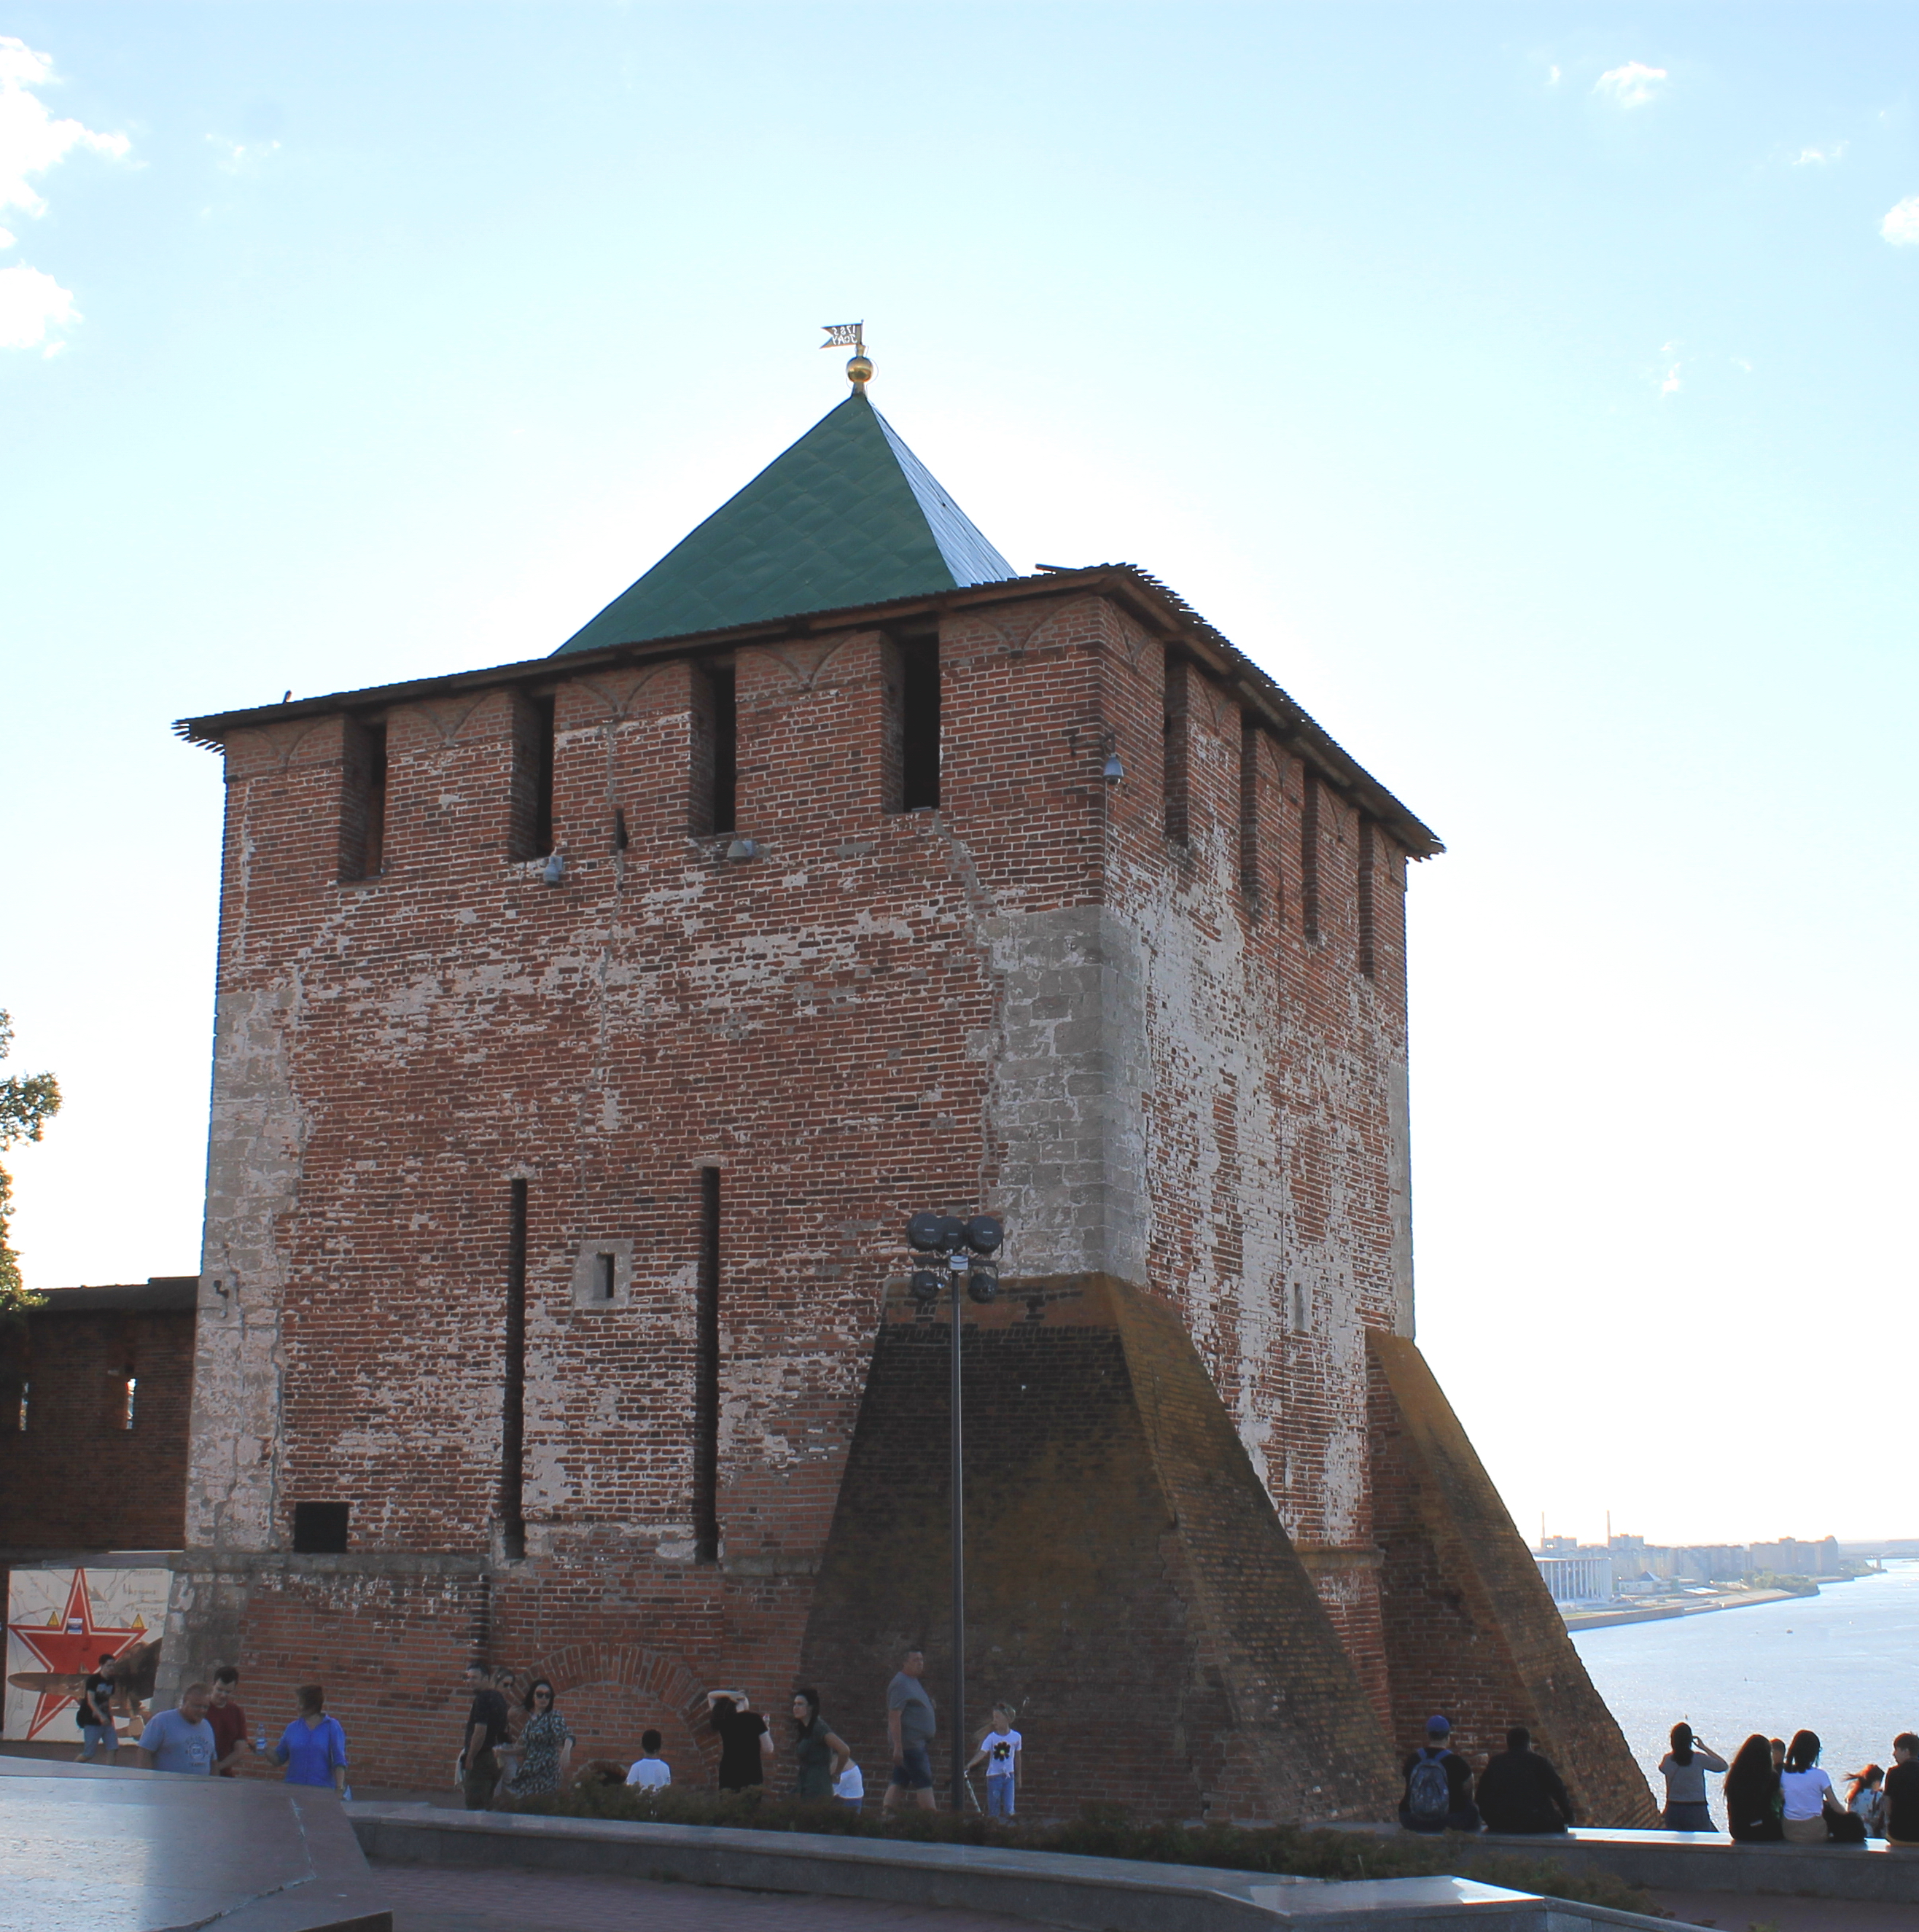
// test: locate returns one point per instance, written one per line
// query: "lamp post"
(967, 1247)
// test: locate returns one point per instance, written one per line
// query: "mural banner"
(60, 1623)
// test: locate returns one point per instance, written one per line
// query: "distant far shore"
(1695, 1606)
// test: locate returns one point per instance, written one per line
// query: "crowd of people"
(205, 1734)
(503, 1756)
(1774, 1791)
(495, 1765)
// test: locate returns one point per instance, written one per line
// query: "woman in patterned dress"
(545, 1749)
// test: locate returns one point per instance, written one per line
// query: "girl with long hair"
(1751, 1792)
(1684, 1769)
(1866, 1798)
(1805, 1793)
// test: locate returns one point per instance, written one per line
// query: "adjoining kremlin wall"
(589, 1027)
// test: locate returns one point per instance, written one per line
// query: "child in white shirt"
(651, 1771)
(999, 1752)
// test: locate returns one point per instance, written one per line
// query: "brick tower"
(589, 1026)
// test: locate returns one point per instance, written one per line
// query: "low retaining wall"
(1875, 1873)
(1711, 1862)
(1051, 1888)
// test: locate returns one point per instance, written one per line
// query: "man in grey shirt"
(909, 1728)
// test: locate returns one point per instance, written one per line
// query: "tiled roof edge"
(1178, 622)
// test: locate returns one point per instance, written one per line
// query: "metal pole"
(958, 1714)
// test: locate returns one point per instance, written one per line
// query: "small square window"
(319, 1529)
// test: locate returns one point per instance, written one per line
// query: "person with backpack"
(1439, 1785)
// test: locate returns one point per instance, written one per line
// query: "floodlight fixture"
(554, 869)
(923, 1232)
(743, 848)
(926, 1286)
(981, 1284)
(983, 1234)
(953, 1233)
(1114, 771)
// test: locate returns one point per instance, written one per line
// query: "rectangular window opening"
(363, 800)
(706, 1376)
(319, 1529)
(722, 811)
(1250, 879)
(605, 1266)
(530, 820)
(1365, 905)
(513, 1394)
(26, 1392)
(129, 1390)
(1309, 857)
(1175, 773)
(919, 724)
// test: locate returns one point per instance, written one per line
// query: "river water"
(1844, 1663)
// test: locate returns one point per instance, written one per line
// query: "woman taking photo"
(1805, 1793)
(1684, 1769)
(822, 1755)
(1751, 1792)
(544, 1750)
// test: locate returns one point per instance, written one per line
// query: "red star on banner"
(74, 1649)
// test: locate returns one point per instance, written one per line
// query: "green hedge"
(1105, 1832)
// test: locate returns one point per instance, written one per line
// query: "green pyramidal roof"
(848, 515)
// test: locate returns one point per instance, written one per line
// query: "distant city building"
(1578, 1579)
(1579, 1574)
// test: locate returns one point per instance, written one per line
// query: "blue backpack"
(1428, 1791)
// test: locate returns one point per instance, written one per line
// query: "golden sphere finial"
(859, 372)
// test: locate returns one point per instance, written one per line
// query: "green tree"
(25, 1106)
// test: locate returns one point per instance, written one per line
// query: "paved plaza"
(429, 1899)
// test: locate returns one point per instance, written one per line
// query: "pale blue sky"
(1551, 437)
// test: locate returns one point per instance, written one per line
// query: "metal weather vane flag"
(844, 335)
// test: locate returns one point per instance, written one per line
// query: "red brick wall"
(1129, 1592)
(862, 1020)
(76, 1477)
